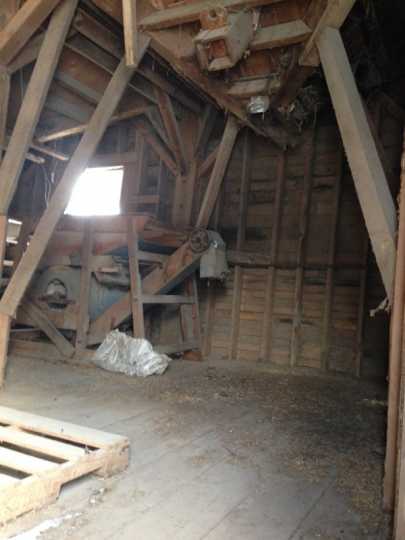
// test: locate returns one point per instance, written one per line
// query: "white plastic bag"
(132, 356)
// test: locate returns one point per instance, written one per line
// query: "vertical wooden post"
(299, 275)
(241, 233)
(6, 12)
(218, 172)
(136, 288)
(5, 322)
(330, 272)
(130, 32)
(4, 97)
(133, 174)
(396, 354)
(265, 346)
(210, 309)
(362, 306)
(83, 318)
(190, 320)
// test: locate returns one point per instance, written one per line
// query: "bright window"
(97, 192)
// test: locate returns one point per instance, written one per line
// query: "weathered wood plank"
(218, 172)
(130, 32)
(38, 318)
(395, 376)
(191, 12)
(369, 177)
(280, 35)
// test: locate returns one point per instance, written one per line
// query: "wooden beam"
(33, 102)
(167, 299)
(207, 124)
(172, 127)
(280, 35)
(3, 241)
(395, 370)
(333, 17)
(368, 174)
(185, 183)
(83, 317)
(186, 13)
(4, 97)
(78, 130)
(78, 163)
(133, 174)
(157, 145)
(39, 319)
(112, 43)
(208, 163)
(24, 24)
(218, 172)
(5, 323)
(138, 323)
(130, 31)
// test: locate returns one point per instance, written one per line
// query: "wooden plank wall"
(324, 280)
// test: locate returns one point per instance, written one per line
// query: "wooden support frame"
(33, 102)
(46, 226)
(333, 16)
(222, 159)
(172, 128)
(161, 280)
(60, 198)
(371, 184)
(23, 25)
(39, 319)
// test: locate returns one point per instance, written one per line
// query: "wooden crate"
(38, 455)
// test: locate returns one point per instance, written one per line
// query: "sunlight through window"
(97, 193)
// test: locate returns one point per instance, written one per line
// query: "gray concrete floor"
(217, 453)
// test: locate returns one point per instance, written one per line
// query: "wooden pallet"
(38, 455)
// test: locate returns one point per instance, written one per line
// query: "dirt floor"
(217, 453)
